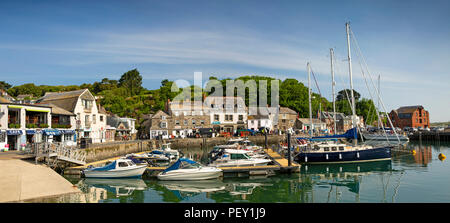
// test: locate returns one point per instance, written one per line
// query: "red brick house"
(410, 116)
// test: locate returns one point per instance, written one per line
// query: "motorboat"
(237, 157)
(120, 168)
(186, 169)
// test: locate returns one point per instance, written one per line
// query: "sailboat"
(320, 152)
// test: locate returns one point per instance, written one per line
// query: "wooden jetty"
(280, 165)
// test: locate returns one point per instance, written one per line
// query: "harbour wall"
(103, 151)
(431, 136)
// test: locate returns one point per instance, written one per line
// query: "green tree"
(132, 81)
(4, 86)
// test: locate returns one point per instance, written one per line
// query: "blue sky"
(75, 42)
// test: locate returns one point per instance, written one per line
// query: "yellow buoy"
(414, 152)
(441, 156)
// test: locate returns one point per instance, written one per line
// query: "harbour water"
(407, 178)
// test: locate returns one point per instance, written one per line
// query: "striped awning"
(14, 132)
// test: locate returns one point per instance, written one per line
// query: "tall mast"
(347, 26)
(333, 85)
(309, 96)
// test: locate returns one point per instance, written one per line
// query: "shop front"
(14, 138)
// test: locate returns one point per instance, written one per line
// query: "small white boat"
(186, 169)
(238, 157)
(120, 168)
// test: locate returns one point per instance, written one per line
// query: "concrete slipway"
(21, 180)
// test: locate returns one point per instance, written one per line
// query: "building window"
(87, 104)
(193, 122)
(202, 122)
(177, 122)
(101, 118)
(185, 113)
(163, 117)
(163, 125)
(216, 117)
(176, 113)
(241, 117)
(185, 122)
(94, 119)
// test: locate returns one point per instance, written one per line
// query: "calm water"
(407, 178)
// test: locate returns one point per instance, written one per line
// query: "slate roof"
(66, 100)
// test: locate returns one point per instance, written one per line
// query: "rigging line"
(317, 85)
(370, 93)
(342, 82)
(376, 89)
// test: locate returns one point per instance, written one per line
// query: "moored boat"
(120, 168)
(186, 169)
(234, 157)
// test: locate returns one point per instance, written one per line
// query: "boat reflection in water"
(119, 187)
(348, 175)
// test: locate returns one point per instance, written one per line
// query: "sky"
(407, 43)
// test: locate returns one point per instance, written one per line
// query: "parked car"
(426, 129)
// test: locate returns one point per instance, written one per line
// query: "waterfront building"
(227, 114)
(343, 122)
(410, 116)
(124, 127)
(63, 125)
(21, 124)
(286, 119)
(187, 118)
(305, 124)
(159, 125)
(89, 122)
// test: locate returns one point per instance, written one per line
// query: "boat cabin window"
(316, 147)
(130, 163)
(185, 165)
(123, 164)
(333, 148)
(238, 156)
(341, 148)
(326, 148)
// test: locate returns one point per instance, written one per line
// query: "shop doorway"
(12, 141)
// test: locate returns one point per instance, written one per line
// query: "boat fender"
(357, 154)
(326, 156)
(413, 152)
(442, 157)
(340, 156)
(306, 159)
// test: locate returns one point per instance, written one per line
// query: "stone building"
(286, 119)
(159, 125)
(188, 117)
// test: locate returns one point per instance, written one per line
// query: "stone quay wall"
(101, 151)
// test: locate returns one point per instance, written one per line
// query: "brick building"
(410, 116)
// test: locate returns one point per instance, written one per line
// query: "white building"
(89, 122)
(227, 114)
(21, 124)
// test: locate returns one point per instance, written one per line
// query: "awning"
(14, 132)
(31, 132)
(53, 132)
(36, 110)
(14, 106)
(67, 131)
